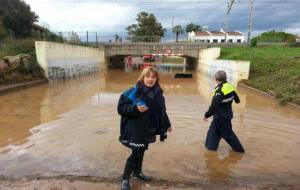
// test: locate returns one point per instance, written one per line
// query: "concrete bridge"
(182, 49)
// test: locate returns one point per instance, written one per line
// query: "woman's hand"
(142, 108)
(170, 129)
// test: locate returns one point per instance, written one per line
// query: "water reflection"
(219, 168)
(22, 110)
(19, 112)
(136, 186)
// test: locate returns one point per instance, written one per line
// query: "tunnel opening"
(120, 61)
(116, 61)
(191, 62)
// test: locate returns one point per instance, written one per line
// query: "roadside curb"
(14, 87)
(294, 106)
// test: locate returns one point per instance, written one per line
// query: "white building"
(216, 37)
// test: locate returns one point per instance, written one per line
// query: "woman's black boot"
(137, 172)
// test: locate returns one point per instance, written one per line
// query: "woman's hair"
(147, 71)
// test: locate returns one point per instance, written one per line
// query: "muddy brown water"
(66, 133)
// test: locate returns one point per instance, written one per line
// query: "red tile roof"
(202, 33)
(234, 33)
(217, 33)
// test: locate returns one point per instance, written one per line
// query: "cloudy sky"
(113, 16)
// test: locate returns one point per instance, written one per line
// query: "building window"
(222, 41)
(215, 41)
(208, 41)
(230, 40)
(239, 41)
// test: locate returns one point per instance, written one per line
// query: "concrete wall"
(209, 65)
(65, 61)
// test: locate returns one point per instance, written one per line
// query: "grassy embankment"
(12, 47)
(273, 69)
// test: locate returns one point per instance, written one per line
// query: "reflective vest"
(226, 89)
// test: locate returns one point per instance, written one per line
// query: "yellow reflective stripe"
(227, 88)
(214, 92)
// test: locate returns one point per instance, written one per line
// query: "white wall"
(193, 37)
(67, 60)
(235, 38)
(209, 65)
(206, 55)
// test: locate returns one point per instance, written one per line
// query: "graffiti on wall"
(71, 67)
(226, 66)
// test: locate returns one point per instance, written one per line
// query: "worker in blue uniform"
(221, 110)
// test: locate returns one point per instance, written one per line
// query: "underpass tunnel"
(118, 61)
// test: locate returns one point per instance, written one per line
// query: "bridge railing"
(95, 39)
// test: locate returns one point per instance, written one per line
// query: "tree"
(73, 37)
(17, 17)
(117, 37)
(2, 29)
(51, 36)
(177, 30)
(193, 27)
(147, 28)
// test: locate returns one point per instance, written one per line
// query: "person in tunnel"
(143, 116)
(221, 110)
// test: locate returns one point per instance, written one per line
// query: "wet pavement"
(65, 135)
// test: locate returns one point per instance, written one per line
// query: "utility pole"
(172, 28)
(229, 6)
(226, 18)
(96, 39)
(250, 25)
(87, 37)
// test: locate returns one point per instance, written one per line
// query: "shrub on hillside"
(273, 37)
(253, 41)
(13, 47)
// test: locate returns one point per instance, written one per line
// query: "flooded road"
(66, 134)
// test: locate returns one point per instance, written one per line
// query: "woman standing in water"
(143, 116)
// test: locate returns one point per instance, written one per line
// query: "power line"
(181, 8)
(171, 3)
(229, 6)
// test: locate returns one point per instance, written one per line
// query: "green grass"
(273, 69)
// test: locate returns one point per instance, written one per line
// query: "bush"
(296, 44)
(13, 47)
(253, 42)
(273, 36)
